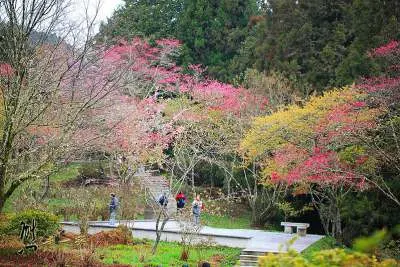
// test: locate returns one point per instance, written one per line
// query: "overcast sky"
(106, 10)
(108, 6)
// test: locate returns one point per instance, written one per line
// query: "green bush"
(324, 258)
(92, 170)
(46, 223)
(325, 243)
(382, 243)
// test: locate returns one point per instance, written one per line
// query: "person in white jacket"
(197, 206)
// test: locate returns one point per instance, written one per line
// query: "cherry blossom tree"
(132, 120)
(48, 85)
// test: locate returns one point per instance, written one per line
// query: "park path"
(152, 182)
(153, 185)
(254, 239)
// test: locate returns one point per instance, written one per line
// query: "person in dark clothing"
(163, 200)
(113, 208)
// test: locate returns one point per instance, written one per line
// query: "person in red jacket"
(180, 201)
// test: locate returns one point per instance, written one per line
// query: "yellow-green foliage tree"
(293, 124)
(317, 148)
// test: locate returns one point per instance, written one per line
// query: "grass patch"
(54, 203)
(168, 254)
(8, 206)
(66, 173)
(243, 222)
(139, 216)
(326, 242)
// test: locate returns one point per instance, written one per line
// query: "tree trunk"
(159, 229)
(338, 225)
(46, 188)
(3, 197)
(227, 182)
(192, 179)
(2, 200)
(253, 208)
(229, 187)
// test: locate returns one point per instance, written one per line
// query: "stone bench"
(301, 228)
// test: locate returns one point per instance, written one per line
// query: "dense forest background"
(316, 44)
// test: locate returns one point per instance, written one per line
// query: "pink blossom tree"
(47, 88)
(133, 121)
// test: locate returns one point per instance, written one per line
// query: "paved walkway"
(252, 240)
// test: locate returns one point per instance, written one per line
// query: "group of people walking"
(197, 205)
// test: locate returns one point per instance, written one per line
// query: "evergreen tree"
(318, 43)
(213, 31)
(155, 18)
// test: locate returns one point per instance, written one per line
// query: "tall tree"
(46, 89)
(318, 149)
(155, 18)
(214, 30)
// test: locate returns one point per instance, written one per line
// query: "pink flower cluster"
(154, 64)
(5, 70)
(343, 123)
(123, 122)
(387, 49)
(384, 91)
(321, 166)
(379, 84)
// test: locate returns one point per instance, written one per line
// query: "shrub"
(91, 171)
(4, 222)
(9, 245)
(46, 223)
(324, 258)
(383, 244)
(122, 235)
